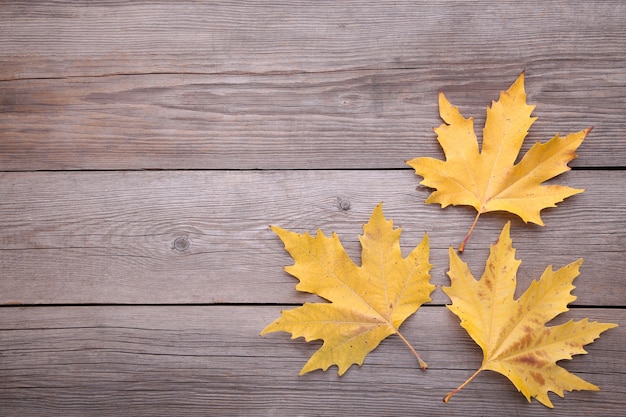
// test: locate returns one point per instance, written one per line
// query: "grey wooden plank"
(145, 361)
(332, 120)
(59, 39)
(111, 237)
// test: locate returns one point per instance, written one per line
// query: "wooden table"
(145, 147)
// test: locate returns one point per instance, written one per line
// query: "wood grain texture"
(147, 361)
(87, 38)
(145, 291)
(200, 85)
(111, 237)
(355, 119)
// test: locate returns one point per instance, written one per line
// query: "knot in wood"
(181, 244)
(343, 204)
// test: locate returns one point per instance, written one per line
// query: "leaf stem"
(462, 245)
(460, 387)
(423, 365)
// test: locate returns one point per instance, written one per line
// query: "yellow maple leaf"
(488, 179)
(367, 303)
(512, 333)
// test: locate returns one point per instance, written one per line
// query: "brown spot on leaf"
(538, 378)
(526, 340)
(531, 360)
(489, 283)
(527, 359)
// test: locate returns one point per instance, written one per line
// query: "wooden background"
(145, 147)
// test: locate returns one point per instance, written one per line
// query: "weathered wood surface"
(91, 38)
(336, 120)
(148, 361)
(126, 85)
(143, 292)
(105, 237)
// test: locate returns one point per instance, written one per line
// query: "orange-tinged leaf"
(367, 302)
(512, 333)
(488, 179)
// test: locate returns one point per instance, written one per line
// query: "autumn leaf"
(367, 303)
(488, 179)
(512, 333)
